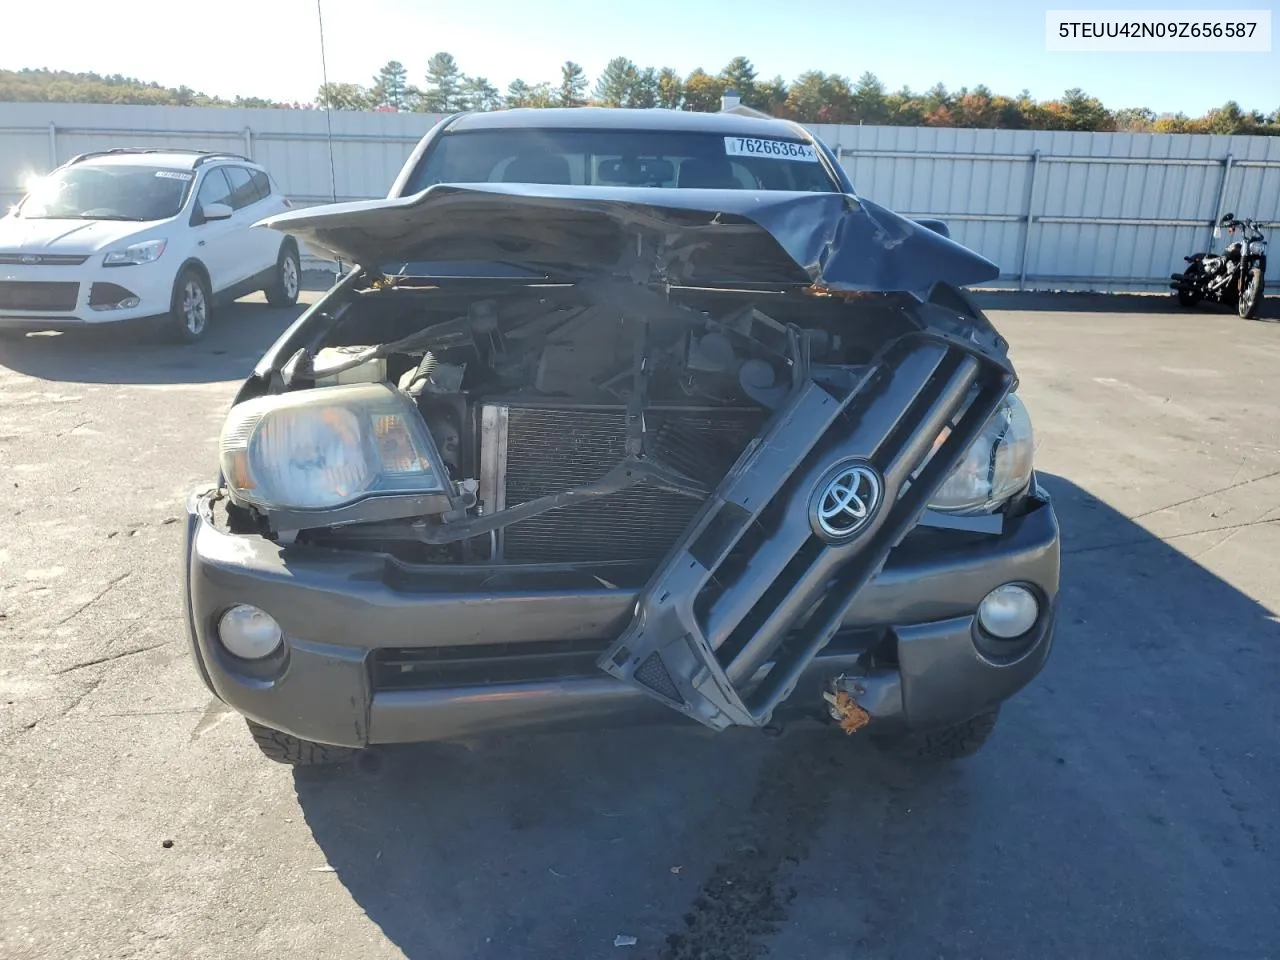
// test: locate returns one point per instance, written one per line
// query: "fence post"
(248, 143)
(1222, 197)
(1026, 234)
(53, 145)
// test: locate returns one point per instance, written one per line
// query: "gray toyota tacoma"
(624, 415)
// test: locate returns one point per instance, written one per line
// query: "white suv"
(127, 234)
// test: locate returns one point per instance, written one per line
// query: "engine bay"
(581, 422)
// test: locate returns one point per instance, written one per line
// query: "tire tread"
(294, 751)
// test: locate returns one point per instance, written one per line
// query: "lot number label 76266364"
(777, 149)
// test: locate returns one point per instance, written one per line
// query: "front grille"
(38, 295)
(428, 668)
(550, 450)
(763, 584)
(43, 259)
(473, 665)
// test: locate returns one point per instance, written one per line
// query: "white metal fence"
(1056, 210)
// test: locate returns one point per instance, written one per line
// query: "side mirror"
(1227, 218)
(215, 211)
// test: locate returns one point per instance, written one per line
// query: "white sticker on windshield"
(777, 149)
(174, 175)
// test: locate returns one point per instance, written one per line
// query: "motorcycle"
(1234, 277)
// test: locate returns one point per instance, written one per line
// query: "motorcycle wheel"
(1251, 295)
(1188, 295)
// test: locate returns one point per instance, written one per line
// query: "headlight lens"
(328, 447)
(995, 467)
(135, 253)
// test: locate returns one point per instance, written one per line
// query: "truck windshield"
(107, 192)
(617, 158)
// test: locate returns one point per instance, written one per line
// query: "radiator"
(530, 451)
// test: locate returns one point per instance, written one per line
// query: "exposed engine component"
(332, 367)
(589, 426)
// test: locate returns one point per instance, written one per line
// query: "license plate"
(775, 149)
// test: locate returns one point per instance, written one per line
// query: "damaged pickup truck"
(624, 415)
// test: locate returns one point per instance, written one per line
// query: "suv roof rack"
(202, 156)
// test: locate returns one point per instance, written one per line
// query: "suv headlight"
(135, 253)
(994, 468)
(326, 448)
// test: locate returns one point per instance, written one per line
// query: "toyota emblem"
(845, 500)
(29, 258)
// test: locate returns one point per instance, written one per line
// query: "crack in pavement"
(94, 599)
(1210, 493)
(1153, 538)
(111, 656)
(76, 701)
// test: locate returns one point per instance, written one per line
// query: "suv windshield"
(614, 158)
(107, 192)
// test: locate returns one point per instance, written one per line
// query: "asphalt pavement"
(1125, 806)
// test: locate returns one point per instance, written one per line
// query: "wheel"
(191, 307)
(1251, 295)
(284, 292)
(286, 748)
(939, 746)
(1187, 295)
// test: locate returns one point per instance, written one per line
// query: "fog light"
(1008, 611)
(248, 632)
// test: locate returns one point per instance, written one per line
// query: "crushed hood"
(829, 240)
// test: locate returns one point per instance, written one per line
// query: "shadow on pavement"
(1122, 809)
(238, 336)
(1153, 303)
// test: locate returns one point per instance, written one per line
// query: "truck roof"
(610, 118)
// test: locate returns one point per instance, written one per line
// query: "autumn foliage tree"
(813, 97)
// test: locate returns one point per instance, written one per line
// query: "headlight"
(994, 468)
(328, 447)
(135, 253)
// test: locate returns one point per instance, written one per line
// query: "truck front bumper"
(339, 609)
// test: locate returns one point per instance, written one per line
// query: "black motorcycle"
(1233, 277)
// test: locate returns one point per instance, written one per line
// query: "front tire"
(1250, 295)
(955, 742)
(284, 291)
(191, 307)
(294, 751)
(1187, 295)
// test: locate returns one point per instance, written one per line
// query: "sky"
(270, 48)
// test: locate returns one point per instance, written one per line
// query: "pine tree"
(391, 86)
(573, 86)
(443, 92)
(617, 82)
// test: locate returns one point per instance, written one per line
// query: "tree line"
(813, 97)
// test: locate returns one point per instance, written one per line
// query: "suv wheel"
(284, 292)
(938, 746)
(191, 307)
(286, 748)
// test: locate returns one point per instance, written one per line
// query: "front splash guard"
(752, 584)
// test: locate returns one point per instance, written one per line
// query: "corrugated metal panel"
(1109, 211)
